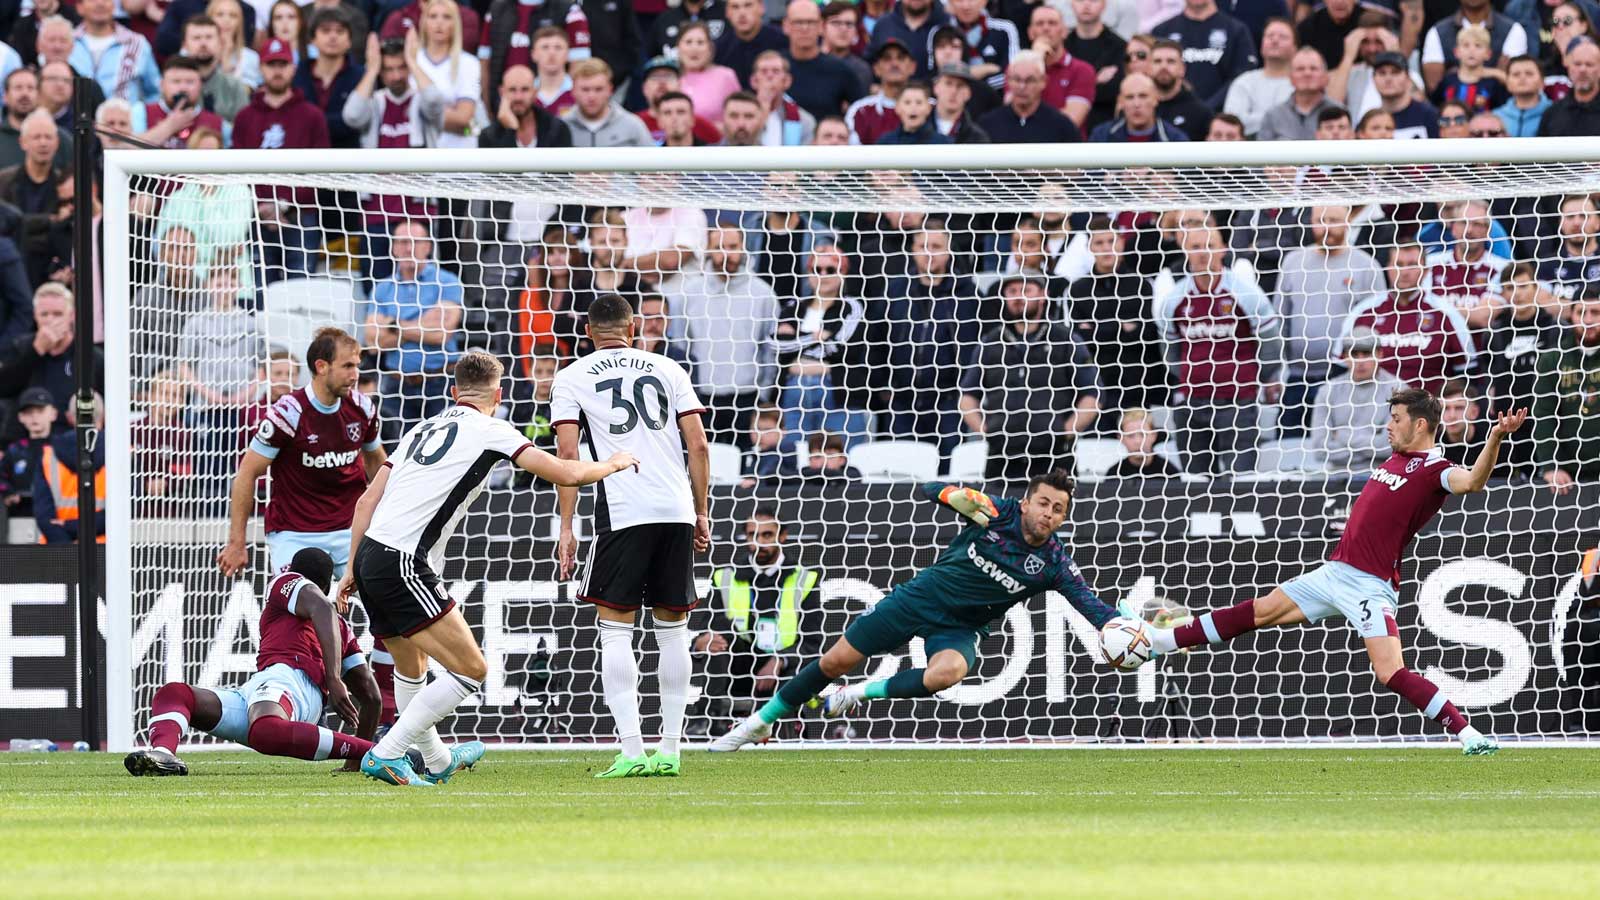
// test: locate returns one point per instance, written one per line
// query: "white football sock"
(673, 671)
(434, 752)
(437, 700)
(619, 673)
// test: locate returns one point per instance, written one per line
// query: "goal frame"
(123, 165)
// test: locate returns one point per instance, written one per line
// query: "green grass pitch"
(1297, 824)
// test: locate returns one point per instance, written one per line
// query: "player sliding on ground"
(1009, 554)
(648, 525)
(1361, 578)
(397, 542)
(306, 650)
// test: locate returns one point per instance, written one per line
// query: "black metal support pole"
(83, 364)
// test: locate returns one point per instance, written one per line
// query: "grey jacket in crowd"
(1348, 419)
(620, 129)
(728, 325)
(1316, 293)
(365, 113)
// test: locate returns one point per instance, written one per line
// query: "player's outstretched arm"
(573, 472)
(972, 503)
(242, 501)
(698, 448)
(1470, 481)
(566, 504)
(311, 604)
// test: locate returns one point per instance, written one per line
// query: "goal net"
(1207, 336)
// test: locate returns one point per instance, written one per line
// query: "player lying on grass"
(306, 651)
(1360, 580)
(397, 540)
(1009, 554)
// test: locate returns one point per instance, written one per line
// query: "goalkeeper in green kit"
(1008, 554)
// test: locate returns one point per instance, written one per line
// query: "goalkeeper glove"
(975, 505)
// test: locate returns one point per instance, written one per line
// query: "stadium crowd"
(1029, 332)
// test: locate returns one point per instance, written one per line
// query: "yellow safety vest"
(736, 603)
(63, 482)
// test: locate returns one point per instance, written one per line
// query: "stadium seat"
(890, 461)
(1098, 455)
(293, 310)
(724, 464)
(1289, 455)
(969, 461)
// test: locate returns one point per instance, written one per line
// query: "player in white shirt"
(649, 524)
(396, 542)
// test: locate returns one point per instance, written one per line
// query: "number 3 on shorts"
(1366, 610)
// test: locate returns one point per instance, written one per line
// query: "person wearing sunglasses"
(1453, 119)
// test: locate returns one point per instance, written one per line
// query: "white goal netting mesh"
(1210, 349)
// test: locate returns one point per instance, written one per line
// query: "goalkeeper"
(1008, 554)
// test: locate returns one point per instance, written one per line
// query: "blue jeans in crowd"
(289, 250)
(810, 404)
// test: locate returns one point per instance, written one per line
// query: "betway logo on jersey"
(1390, 479)
(992, 569)
(1211, 330)
(328, 460)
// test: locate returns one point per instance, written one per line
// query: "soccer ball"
(1125, 643)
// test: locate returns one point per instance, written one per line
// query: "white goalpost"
(1205, 334)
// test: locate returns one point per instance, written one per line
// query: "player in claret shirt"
(1361, 580)
(1009, 554)
(306, 651)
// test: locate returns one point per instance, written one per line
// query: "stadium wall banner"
(1485, 594)
(41, 690)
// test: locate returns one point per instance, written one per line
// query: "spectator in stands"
(823, 84)
(605, 272)
(746, 37)
(119, 60)
(234, 54)
(595, 121)
(827, 459)
(27, 23)
(170, 17)
(1350, 78)
(1295, 119)
(173, 117)
(950, 49)
(529, 398)
(707, 82)
(662, 242)
(1025, 119)
(990, 42)
(552, 86)
(1333, 124)
(163, 304)
(1461, 427)
(1527, 104)
(1349, 423)
(37, 415)
(543, 313)
(1318, 286)
(832, 132)
(1225, 127)
(55, 92)
(286, 23)
(55, 481)
(1175, 102)
(1574, 260)
(31, 185)
(1566, 434)
(661, 79)
(22, 99)
(762, 617)
(1467, 271)
(414, 17)
(1453, 119)
(1221, 46)
(216, 355)
(399, 115)
(766, 453)
(952, 92)
(1103, 49)
(1471, 83)
(1222, 333)
(1425, 340)
(730, 315)
(1138, 435)
(1258, 90)
(821, 346)
(16, 297)
(788, 124)
(1327, 28)
(1506, 39)
(508, 37)
(1068, 82)
(1578, 113)
(279, 116)
(1413, 118)
(520, 122)
(662, 37)
(222, 93)
(1138, 122)
(873, 116)
(911, 23)
(1030, 388)
(1108, 309)
(655, 321)
(44, 358)
(414, 321)
(1486, 125)
(915, 111)
(743, 120)
(1377, 124)
(842, 38)
(932, 325)
(439, 51)
(1521, 332)
(675, 120)
(56, 40)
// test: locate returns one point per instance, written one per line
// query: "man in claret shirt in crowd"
(1426, 341)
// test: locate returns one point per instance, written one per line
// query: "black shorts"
(400, 593)
(645, 565)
